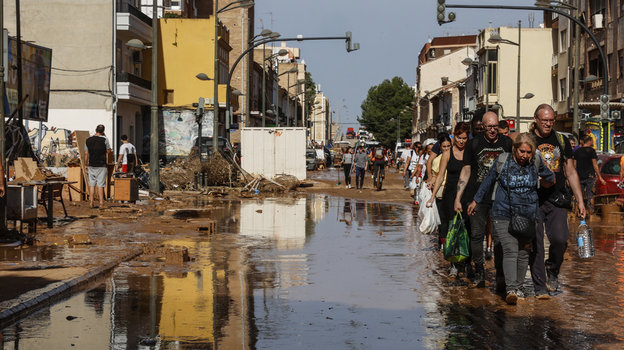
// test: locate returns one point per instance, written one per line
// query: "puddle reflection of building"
(282, 222)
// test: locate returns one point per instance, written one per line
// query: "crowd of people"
(513, 188)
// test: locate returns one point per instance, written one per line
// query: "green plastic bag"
(457, 243)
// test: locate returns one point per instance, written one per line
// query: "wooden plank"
(27, 169)
(81, 137)
(74, 173)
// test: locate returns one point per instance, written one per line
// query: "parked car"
(609, 165)
(312, 162)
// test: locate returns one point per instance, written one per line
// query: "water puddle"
(323, 272)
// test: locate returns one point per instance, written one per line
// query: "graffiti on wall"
(181, 130)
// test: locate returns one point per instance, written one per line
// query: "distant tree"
(310, 92)
(384, 105)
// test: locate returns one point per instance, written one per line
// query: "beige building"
(320, 119)
(536, 53)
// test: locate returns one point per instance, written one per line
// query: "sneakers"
(552, 282)
(520, 294)
(453, 271)
(511, 298)
(542, 295)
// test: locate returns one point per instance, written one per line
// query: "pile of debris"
(281, 183)
(190, 173)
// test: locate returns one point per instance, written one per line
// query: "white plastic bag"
(413, 183)
(429, 217)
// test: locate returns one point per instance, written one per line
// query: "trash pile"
(281, 183)
(189, 173)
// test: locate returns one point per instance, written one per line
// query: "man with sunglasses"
(554, 202)
(480, 155)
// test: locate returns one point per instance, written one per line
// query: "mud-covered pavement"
(312, 271)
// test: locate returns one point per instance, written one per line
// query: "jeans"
(359, 177)
(515, 258)
(407, 179)
(478, 222)
(587, 188)
(553, 222)
(347, 173)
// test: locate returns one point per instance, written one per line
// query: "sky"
(391, 34)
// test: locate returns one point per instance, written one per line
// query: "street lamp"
(496, 39)
(215, 123)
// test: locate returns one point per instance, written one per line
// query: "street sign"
(512, 124)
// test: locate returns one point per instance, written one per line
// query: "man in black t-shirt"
(586, 165)
(479, 156)
(96, 151)
(552, 217)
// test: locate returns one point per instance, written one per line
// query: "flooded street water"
(321, 272)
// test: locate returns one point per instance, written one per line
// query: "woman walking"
(451, 163)
(445, 145)
(347, 164)
(517, 177)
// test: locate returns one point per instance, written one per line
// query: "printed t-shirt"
(480, 155)
(550, 150)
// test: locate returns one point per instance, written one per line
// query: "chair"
(57, 195)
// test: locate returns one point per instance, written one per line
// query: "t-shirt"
(96, 146)
(550, 150)
(360, 160)
(413, 160)
(347, 158)
(435, 169)
(127, 149)
(481, 155)
(423, 161)
(584, 164)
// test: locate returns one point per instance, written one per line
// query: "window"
(563, 40)
(563, 85)
(612, 167)
(595, 64)
(168, 97)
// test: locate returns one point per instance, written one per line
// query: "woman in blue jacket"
(517, 176)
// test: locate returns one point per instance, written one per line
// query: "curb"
(47, 295)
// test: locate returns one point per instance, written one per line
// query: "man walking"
(127, 155)
(586, 165)
(361, 163)
(480, 155)
(97, 149)
(554, 202)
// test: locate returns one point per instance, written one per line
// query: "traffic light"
(442, 13)
(604, 107)
(616, 115)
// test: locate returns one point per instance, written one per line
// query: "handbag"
(520, 226)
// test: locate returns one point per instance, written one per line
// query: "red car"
(609, 165)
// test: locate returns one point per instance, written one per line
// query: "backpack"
(500, 163)
(379, 153)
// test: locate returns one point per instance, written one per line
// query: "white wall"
(81, 119)
(272, 151)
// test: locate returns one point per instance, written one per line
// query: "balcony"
(133, 88)
(132, 20)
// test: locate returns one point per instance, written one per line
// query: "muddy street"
(319, 272)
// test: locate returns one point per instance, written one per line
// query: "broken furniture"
(126, 188)
(22, 205)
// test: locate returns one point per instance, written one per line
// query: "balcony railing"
(125, 7)
(133, 79)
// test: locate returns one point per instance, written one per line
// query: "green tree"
(310, 92)
(384, 105)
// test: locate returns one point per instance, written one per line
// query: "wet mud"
(313, 272)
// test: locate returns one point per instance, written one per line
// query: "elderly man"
(480, 155)
(554, 202)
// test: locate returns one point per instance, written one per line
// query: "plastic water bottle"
(584, 241)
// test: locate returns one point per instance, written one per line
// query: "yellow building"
(186, 49)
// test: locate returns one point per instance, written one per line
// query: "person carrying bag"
(516, 178)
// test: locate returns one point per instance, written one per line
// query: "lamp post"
(155, 132)
(347, 38)
(231, 6)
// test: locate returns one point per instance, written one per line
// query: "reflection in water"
(323, 272)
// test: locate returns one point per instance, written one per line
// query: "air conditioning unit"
(597, 20)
